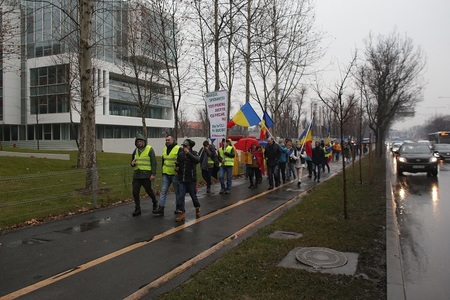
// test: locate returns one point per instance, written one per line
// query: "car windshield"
(415, 149)
(442, 147)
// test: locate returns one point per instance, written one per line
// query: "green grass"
(250, 270)
(34, 190)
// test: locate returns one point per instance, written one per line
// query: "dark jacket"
(187, 165)
(272, 154)
(142, 174)
(318, 155)
(204, 154)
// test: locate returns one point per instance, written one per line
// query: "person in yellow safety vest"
(143, 160)
(169, 176)
(226, 157)
(208, 163)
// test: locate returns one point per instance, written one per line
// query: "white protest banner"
(217, 109)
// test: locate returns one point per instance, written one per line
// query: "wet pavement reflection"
(423, 215)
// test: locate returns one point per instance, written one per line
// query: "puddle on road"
(48, 237)
(86, 226)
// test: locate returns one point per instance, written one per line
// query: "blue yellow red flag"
(266, 123)
(245, 117)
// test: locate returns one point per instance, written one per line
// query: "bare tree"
(9, 31)
(287, 47)
(343, 107)
(390, 78)
(219, 24)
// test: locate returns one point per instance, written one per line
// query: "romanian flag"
(306, 139)
(305, 136)
(245, 117)
(266, 123)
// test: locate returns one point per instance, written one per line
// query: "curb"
(395, 284)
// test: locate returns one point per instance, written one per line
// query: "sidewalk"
(38, 155)
(109, 254)
(394, 267)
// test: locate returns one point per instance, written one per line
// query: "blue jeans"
(190, 188)
(273, 173)
(229, 171)
(290, 170)
(316, 170)
(166, 181)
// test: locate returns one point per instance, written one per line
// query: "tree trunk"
(87, 155)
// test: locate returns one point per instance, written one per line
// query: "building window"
(49, 90)
(30, 132)
(56, 132)
(47, 131)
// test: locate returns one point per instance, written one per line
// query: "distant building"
(39, 99)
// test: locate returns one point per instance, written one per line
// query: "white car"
(395, 146)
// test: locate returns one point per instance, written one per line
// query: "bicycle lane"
(110, 254)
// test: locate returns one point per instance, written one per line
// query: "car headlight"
(402, 159)
(433, 159)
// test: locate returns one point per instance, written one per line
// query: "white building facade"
(39, 94)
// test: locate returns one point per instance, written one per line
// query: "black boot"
(137, 212)
(155, 205)
(159, 211)
(251, 183)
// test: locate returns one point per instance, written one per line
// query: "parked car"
(442, 151)
(415, 158)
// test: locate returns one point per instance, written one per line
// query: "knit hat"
(188, 142)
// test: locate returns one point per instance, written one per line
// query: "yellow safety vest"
(143, 159)
(227, 161)
(325, 150)
(169, 160)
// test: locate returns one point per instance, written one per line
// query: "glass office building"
(39, 86)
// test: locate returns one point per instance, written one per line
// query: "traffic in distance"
(422, 156)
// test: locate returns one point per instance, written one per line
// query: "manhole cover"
(321, 258)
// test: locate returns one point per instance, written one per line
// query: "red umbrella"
(245, 143)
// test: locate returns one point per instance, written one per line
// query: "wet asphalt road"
(107, 254)
(423, 216)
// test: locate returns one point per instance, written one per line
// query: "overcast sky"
(347, 22)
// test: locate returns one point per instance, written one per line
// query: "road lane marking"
(142, 292)
(67, 273)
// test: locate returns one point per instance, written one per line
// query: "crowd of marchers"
(281, 162)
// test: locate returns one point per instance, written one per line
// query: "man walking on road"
(226, 157)
(318, 155)
(169, 157)
(143, 161)
(186, 167)
(272, 154)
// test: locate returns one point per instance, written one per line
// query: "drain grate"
(321, 258)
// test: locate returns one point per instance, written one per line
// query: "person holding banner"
(208, 163)
(226, 157)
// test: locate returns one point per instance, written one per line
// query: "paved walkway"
(37, 155)
(107, 254)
